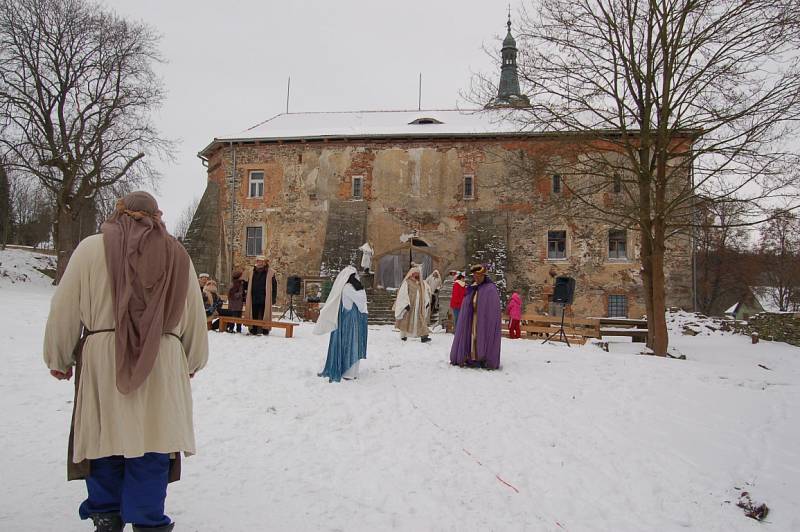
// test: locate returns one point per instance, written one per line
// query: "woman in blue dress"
(345, 317)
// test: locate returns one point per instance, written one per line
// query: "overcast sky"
(228, 63)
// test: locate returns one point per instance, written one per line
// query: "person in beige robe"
(156, 416)
(412, 307)
(262, 292)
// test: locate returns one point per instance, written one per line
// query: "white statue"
(366, 257)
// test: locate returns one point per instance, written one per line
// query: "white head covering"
(329, 315)
(415, 268)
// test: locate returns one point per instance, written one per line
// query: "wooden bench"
(632, 328)
(577, 330)
(287, 327)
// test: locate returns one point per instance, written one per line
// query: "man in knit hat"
(262, 293)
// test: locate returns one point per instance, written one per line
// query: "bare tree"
(780, 250)
(32, 210)
(664, 101)
(76, 91)
(185, 219)
(726, 267)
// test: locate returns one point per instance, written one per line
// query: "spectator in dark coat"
(236, 294)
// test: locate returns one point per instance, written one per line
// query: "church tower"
(508, 94)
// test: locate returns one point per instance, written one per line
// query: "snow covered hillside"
(19, 266)
(559, 439)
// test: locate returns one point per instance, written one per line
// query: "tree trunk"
(660, 337)
(647, 285)
(64, 232)
(5, 208)
(653, 282)
(74, 221)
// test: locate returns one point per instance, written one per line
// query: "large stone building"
(442, 188)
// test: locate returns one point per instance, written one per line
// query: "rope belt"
(87, 332)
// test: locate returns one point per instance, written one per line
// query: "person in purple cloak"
(477, 338)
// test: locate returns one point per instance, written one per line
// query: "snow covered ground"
(559, 439)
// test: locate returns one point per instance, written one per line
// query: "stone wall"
(311, 222)
(345, 233)
(778, 327)
(203, 239)
(487, 243)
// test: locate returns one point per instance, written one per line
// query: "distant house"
(756, 299)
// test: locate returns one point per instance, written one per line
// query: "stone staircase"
(379, 303)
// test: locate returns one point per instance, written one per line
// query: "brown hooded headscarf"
(149, 272)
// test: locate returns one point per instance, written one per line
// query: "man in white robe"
(413, 306)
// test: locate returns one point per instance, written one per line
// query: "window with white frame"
(556, 183)
(617, 244)
(358, 187)
(617, 306)
(255, 240)
(256, 184)
(469, 187)
(556, 244)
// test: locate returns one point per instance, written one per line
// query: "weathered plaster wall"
(417, 185)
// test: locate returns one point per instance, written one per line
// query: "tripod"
(290, 310)
(560, 332)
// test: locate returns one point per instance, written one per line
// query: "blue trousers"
(133, 487)
(455, 317)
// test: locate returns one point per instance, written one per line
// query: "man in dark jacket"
(261, 294)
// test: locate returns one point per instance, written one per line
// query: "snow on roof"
(351, 124)
(766, 296)
(732, 310)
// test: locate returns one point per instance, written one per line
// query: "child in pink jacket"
(514, 310)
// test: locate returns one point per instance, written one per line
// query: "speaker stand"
(560, 332)
(290, 310)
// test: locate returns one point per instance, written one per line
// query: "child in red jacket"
(457, 297)
(514, 310)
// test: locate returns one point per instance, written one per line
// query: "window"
(617, 306)
(556, 244)
(617, 184)
(358, 187)
(469, 187)
(617, 244)
(254, 241)
(425, 120)
(256, 188)
(556, 183)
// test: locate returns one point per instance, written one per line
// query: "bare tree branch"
(76, 91)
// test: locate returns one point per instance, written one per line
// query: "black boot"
(110, 522)
(425, 339)
(165, 528)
